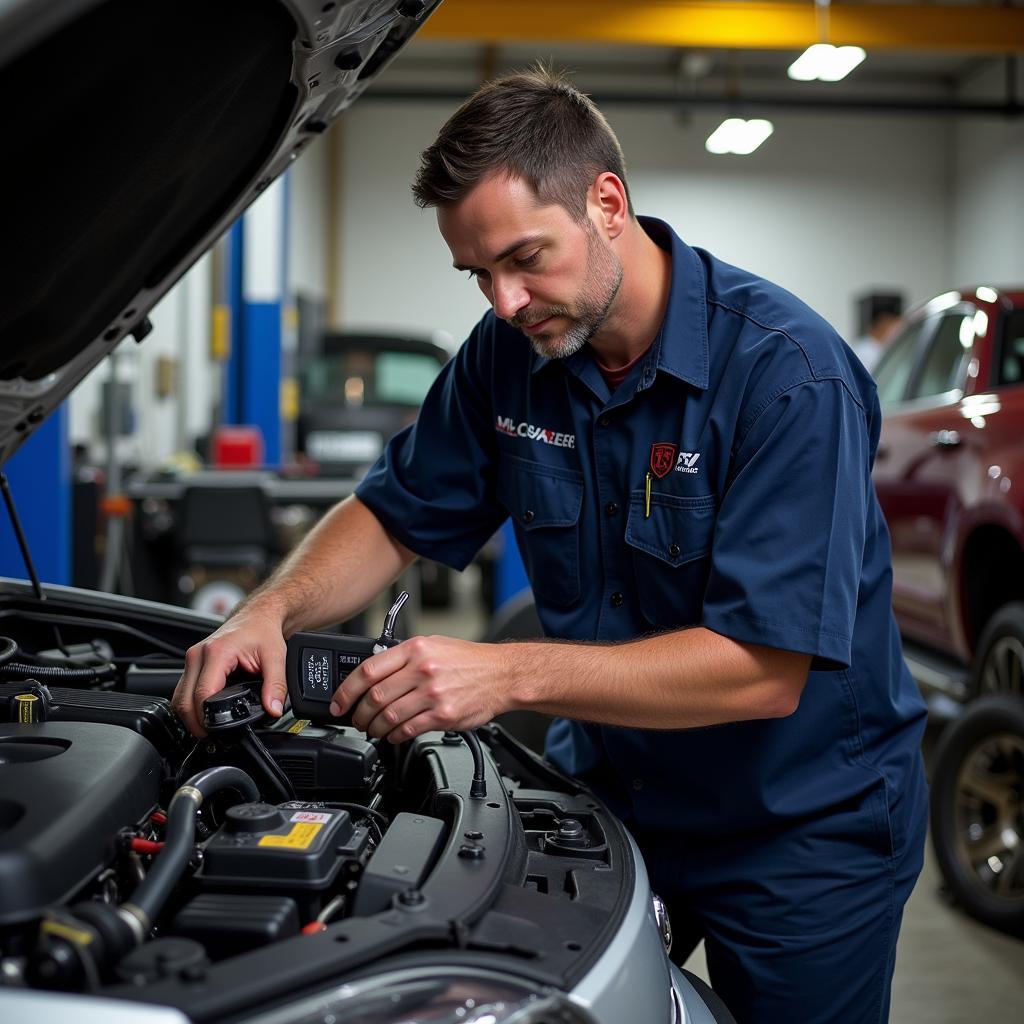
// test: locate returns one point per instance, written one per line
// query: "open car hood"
(135, 134)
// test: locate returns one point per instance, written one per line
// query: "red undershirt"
(613, 378)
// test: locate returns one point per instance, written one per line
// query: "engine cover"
(66, 788)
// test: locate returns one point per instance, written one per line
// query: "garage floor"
(949, 970)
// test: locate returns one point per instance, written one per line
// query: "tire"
(999, 661)
(977, 810)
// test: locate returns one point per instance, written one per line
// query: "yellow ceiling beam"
(729, 25)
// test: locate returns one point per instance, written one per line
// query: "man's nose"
(508, 297)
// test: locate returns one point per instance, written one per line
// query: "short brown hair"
(532, 124)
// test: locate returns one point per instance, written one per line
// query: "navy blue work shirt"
(758, 430)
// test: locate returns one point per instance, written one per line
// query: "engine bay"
(270, 857)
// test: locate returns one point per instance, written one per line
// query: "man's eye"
(528, 261)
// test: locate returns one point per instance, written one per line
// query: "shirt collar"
(681, 347)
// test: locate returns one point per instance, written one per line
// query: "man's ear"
(609, 203)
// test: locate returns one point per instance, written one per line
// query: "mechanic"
(685, 450)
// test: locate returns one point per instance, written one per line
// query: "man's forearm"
(680, 680)
(338, 569)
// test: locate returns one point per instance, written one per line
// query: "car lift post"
(259, 245)
(40, 479)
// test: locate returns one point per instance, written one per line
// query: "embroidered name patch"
(508, 426)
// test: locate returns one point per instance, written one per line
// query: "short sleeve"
(789, 540)
(433, 488)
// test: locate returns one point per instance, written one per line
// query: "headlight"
(432, 995)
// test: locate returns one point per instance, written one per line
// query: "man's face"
(545, 274)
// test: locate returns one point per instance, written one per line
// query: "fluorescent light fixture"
(734, 135)
(825, 63)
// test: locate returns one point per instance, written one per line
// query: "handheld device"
(316, 664)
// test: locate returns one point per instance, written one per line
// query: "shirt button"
(638, 784)
(617, 600)
(673, 550)
(528, 516)
(605, 420)
(611, 508)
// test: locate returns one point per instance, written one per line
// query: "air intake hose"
(179, 836)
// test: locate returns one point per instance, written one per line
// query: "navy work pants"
(800, 925)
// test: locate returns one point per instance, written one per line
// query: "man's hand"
(253, 641)
(424, 684)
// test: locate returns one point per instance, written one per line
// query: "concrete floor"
(949, 969)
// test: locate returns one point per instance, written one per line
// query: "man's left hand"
(424, 684)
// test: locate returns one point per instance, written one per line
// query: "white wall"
(988, 211)
(394, 268)
(181, 332)
(829, 207)
(307, 221)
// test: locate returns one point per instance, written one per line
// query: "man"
(880, 319)
(685, 450)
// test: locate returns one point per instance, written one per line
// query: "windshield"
(364, 377)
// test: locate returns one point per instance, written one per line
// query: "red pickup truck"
(950, 478)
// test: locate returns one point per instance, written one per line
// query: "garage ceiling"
(691, 53)
(740, 24)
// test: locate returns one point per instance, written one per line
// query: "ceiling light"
(825, 62)
(734, 135)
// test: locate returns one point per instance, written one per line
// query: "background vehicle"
(273, 873)
(358, 392)
(948, 473)
(355, 394)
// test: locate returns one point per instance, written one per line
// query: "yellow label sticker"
(298, 725)
(300, 838)
(27, 710)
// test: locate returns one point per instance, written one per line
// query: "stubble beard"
(604, 278)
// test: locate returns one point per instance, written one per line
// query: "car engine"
(272, 856)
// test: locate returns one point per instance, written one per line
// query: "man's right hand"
(253, 641)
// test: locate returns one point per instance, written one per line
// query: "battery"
(280, 848)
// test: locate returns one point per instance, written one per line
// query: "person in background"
(879, 316)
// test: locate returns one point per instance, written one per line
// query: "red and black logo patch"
(663, 458)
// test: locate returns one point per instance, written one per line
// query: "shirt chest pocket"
(671, 552)
(544, 503)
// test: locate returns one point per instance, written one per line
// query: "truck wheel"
(999, 662)
(977, 811)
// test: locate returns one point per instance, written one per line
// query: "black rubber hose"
(180, 832)
(57, 672)
(479, 787)
(10, 649)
